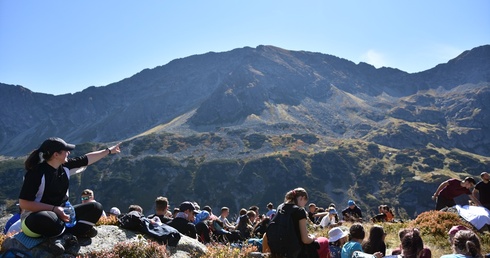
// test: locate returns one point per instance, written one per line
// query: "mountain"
(241, 127)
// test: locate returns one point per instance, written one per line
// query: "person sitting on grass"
(352, 213)
(411, 244)
(337, 238)
(161, 210)
(465, 244)
(356, 236)
(376, 241)
(183, 221)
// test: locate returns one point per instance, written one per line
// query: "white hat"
(115, 211)
(335, 234)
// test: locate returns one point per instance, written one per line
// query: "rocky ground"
(106, 239)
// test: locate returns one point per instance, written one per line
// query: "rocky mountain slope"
(242, 127)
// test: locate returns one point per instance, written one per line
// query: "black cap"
(187, 206)
(55, 144)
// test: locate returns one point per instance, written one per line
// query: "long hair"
(34, 159)
(375, 242)
(291, 196)
(466, 242)
(412, 244)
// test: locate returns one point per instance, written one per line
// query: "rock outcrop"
(106, 239)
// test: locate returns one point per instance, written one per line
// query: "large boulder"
(106, 239)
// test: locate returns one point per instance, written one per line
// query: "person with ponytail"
(309, 246)
(465, 244)
(45, 191)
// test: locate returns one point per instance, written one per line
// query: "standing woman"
(45, 190)
(309, 246)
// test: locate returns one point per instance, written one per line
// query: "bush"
(137, 249)
(434, 226)
(227, 251)
(109, 220)
(437, 223)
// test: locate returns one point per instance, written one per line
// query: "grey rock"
(106, 239)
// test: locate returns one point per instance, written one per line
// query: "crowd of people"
(45, 191)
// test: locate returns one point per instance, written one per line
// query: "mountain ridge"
(158, 95)
(251, 123)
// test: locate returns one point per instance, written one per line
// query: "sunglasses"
(84, 198)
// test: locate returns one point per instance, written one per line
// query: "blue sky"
(62, 47)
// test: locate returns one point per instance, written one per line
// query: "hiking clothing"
(484, 193)
(453, 189)
(184, 226)
(352, 213)
(326, 221)
(448, 193)
(49, 185)
(456, 256)
(164, 219)
(335, 251)
(349, 248)
(271, 213)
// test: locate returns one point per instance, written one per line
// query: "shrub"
(437, 223)
(136, 249)
(228, 251)
(434, 225)
(109, 220)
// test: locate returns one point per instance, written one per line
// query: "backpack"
(281, 236)
(16, 253)
(164, 233)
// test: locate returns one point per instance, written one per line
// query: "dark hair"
(375, 242)
(88, 192)
(466, 242)
(357, 231)
(292, 195)
(254, 208)
(470, 179)
(161, 203)
(412, 244)
(34, 159)
(208, 209)
(251, 213)
(135, 207)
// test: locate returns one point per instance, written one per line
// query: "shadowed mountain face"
(259, 114)
(259, 88)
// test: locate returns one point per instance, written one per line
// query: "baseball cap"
(332, 211)
(455, 229)
(351, 202)
(188, 206)
(55, 144)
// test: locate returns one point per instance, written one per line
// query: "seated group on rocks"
(282, 231)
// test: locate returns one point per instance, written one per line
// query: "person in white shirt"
(329, 221)
(225, 211)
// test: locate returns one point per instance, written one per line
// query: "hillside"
(242, 127)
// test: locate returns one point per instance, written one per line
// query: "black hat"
(187, 206)
(55, 144)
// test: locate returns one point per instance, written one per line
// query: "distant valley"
(240, 128)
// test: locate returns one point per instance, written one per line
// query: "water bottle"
(70, 211)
